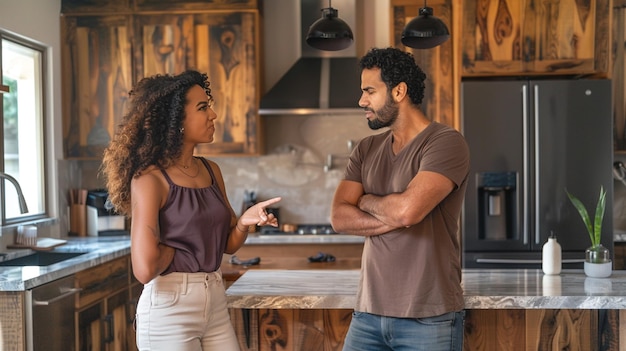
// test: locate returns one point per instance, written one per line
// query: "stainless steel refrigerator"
(529, 141)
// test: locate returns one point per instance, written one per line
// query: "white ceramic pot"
(598, 270)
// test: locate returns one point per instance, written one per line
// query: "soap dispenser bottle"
(551, 256)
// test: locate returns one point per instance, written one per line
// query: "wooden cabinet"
(438, 63)
(539, 329)
(104, 55)
(224, 46)
(485, 330)
(510, 37)
(291, 330)
(97, 78)
(105, 307)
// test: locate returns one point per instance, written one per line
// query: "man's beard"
(385, 116)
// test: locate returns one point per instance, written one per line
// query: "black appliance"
(529, 141)
(102, 220)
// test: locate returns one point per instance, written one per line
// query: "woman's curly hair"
(397, 66)
(150, 132)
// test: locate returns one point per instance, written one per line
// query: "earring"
(182, 130)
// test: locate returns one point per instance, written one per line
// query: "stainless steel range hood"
(320, 82)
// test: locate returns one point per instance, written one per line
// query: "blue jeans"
(369, 332)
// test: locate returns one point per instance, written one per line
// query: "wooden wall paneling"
(227, 49)
(308, 330)
(276, 330)
(194, 5)
(246, 324)
(97, 79)
(618, 79)
(609, 329)
(561, 37)
(222, 44)
(603, 48)
(510, 37)
(493, 43)
(561, 330)
(437, 63)
(336, 324)
(621, 331)
(494, 330)
(164, 44)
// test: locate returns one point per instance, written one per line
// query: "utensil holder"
(78, 220)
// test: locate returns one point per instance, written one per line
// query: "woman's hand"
(256, 215)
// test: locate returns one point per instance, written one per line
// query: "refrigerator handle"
(525, 172)
(537, 180)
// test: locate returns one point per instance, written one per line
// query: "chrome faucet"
(20, 195)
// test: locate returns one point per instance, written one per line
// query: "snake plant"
(595, 228)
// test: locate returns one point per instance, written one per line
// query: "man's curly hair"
(397, 66)
(150, 132)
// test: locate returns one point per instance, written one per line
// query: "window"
(22, 114)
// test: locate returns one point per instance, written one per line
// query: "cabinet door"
(97, 79)
(88, 328)
(508, 37)
(223, 45)
(115, 322)
(437, 63)
(493, 36)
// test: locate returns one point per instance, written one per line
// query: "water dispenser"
(497, 205)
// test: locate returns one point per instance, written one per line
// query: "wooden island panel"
(506, 309)
(550, 329)
(291, 329)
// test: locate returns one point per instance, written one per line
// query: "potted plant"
(597, 261)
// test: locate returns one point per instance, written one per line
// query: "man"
(403, 190)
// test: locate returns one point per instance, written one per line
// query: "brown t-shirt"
(412, 272)
(196, 222)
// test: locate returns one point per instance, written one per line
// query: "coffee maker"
(102, 220)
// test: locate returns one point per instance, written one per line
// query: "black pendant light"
(425, 31)
(329, 33)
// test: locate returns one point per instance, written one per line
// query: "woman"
(182, 222)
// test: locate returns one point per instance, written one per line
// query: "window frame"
(45, 178)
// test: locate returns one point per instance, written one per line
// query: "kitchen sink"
(41, 258)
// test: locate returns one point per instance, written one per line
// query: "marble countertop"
(483, 289)
(97, 250)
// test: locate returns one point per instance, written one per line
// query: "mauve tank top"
(196, 222)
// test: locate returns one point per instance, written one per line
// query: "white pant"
(186, 312)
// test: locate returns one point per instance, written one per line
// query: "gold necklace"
(186, 167)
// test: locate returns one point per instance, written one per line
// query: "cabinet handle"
(131, 309)
(107, 322)
(65, 294)
(526, 170)
(536, 175)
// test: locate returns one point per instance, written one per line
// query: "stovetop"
(301, 229)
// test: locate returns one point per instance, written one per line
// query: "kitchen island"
(506, 309)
